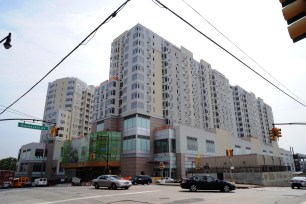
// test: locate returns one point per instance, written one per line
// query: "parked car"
(76, 181)
(142, 179)
(40, 182)
(298, 181)
(28, 184)
(202, 182)
(6, 184)
(165, 180)
(111, 182)
(21, 182)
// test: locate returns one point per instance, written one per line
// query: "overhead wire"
(228, 52)
(81, 43)
(241, 50)
(18, 112)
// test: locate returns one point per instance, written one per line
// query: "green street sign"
(31, 126)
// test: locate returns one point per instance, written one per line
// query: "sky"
(44, 32)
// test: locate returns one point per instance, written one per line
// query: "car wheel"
(126, 188)
(113, 186)
(226, 188)
(193, 188)
(97, 186)
(292, 187)
(298, 187)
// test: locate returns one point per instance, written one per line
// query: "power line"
(242, 51)
(18, 112)
(228, 52)
(81, 43)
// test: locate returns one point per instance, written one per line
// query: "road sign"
(31, 126)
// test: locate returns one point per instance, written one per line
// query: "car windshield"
(115, 178)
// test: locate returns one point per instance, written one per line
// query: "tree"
(8, 164)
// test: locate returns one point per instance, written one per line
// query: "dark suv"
(142, 179)
(207, 183)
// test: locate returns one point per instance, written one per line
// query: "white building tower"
(69, 104)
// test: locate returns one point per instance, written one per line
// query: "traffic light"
(278, 132)
(271, 134)
(92, 156)
(231, 152)
(56, 131)
(294, 12)
(52, 131)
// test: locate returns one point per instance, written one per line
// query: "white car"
(7, 184)
(111, 182)
(165, 180)
(298, 181)
(40, 182)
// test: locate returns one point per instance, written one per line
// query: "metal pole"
(192, 168)
(231, 175)
(9, 35)
(107, 154)
(42, 161)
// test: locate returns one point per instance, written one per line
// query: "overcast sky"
(44, 32)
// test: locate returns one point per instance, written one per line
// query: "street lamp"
(7, 39)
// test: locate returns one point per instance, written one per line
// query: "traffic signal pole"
(231, 174)
(27, 119)
(288, 124)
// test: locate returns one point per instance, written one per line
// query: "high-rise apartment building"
(254, 118)
(265, 119)
(69, 104)
(170, 107)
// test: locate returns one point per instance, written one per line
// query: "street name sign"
(31, 126)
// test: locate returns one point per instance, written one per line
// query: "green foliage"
(8, 164)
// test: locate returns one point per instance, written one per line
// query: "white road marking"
(270, 189)
(88, 197)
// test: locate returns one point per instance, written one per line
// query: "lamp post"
(7, 39)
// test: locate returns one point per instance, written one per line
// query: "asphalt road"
(150, 194)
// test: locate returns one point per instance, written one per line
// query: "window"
(237, 150)
(137, 77)
(210, 146)
(137, 95)
(192, 143)
(248, 150)
(100, 127)
(137, 86)
(161, 146)
(129, 143)
(134, 105)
